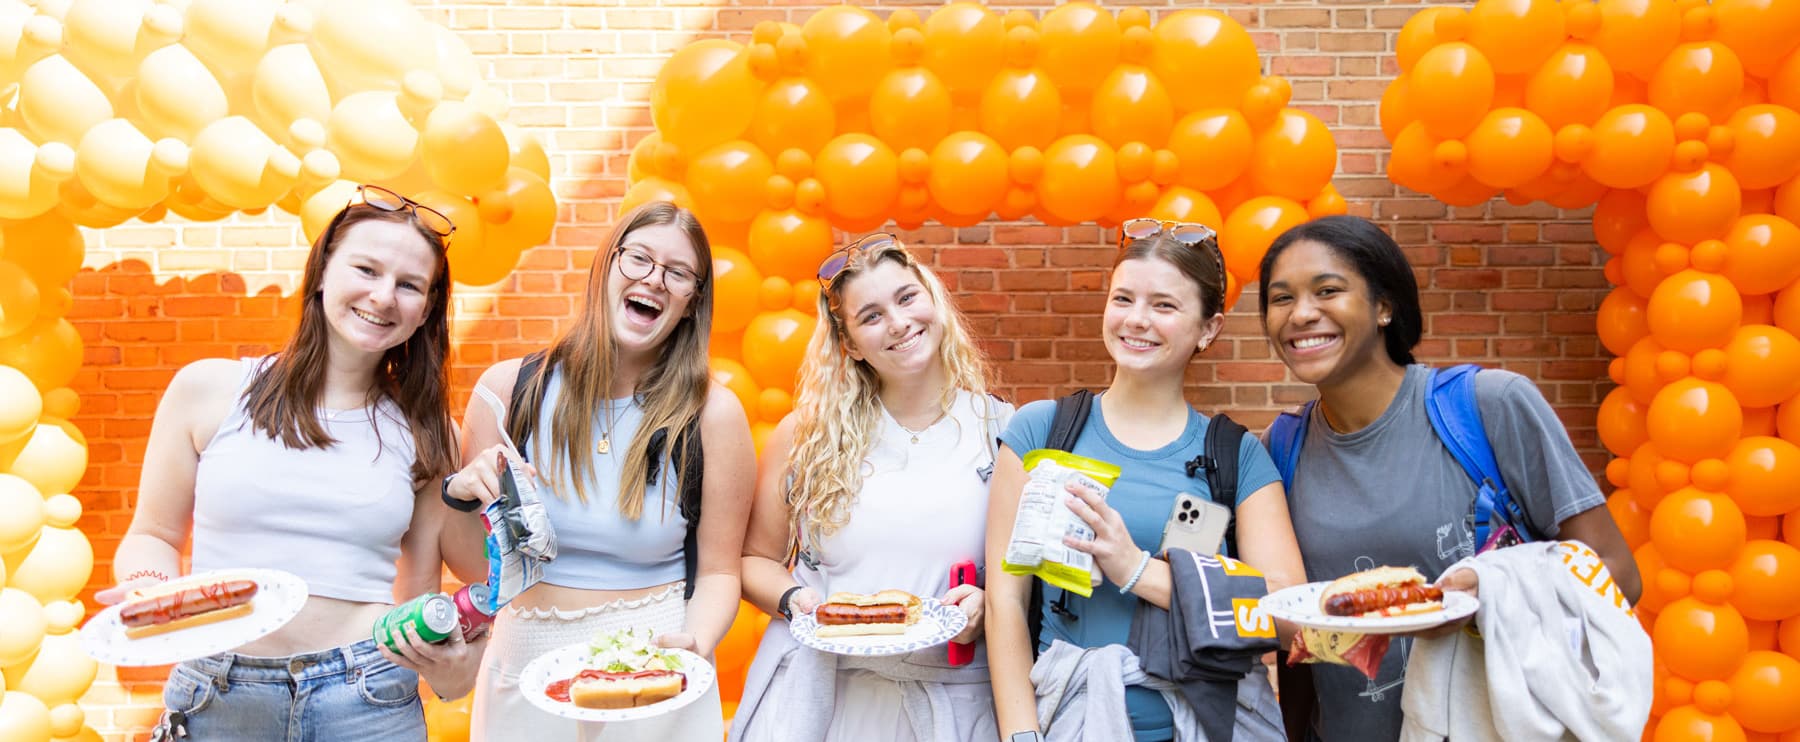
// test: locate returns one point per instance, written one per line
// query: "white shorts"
(501, 712)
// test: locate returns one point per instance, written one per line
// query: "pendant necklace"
(605, 444)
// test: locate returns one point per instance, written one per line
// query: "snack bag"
(520, 540)
(1361, 651)
(1036, 546)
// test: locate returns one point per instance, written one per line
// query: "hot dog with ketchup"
(159, 609)
(1383, 591)
(856, 614)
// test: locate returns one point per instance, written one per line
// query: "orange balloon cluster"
(1678, 119)
(849, 120)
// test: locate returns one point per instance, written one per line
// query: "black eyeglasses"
(386, 200)
(637, 265)
(835, 262)
(1187, 233)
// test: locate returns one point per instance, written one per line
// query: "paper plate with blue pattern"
(1300, 604)
(937, 624)
(280, 596)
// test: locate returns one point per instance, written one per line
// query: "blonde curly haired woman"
(877, 480)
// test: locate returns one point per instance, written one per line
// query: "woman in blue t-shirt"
(1164, 306)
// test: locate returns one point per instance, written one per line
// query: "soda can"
(432, 616)
(471, 610)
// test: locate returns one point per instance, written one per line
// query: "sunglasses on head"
(835, 262)
(386, 200)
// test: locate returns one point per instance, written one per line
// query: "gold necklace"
(921, 431)
(605, 444)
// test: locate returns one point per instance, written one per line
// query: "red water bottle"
(962, 573)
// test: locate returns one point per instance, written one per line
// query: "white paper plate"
(937, 623)
(565, 663)
(1300, 604)
(279, 597)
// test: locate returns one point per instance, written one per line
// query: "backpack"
(1220, 463)
(1451, 406)
(689, 460)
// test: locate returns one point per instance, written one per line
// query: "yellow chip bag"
(1043, 519)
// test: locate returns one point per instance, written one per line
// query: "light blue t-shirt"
(1144, 495)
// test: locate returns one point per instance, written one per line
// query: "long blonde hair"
(672, 391)
(838, 406)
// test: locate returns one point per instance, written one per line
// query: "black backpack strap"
(516, 413)
(1065, 429)
(690, 460)
(1224, 436)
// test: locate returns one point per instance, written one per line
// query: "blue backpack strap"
(1285, 436)
(1450, 404)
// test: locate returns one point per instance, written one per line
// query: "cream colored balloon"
(287, 86)
(237, 164)
(371, 137)
(321, 207)
(21, 629)
(23, 718)
(55, 568)
(25, 37)
(58, 103)
(52, 459)
(59, 674)
(22, 513)
(20, 403)
(122, 168)
(456, 66)
(30, 174)
(230, 36)
(108, 38)
(66, 721)
(365, 45)
(177, 96)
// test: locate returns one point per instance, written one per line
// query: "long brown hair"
(672, 391)
(282, 401)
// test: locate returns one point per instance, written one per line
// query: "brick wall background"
(1513, 286)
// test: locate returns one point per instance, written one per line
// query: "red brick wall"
(1505, 285)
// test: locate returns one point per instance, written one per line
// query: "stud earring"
(1383, 322)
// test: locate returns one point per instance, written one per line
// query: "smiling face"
(890, 321)
(1322, 316)
(645, 311)
(1154, 320)
(376, 286)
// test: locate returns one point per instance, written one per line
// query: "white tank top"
(922, 508)
(334, 516)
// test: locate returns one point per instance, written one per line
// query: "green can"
(432, 616)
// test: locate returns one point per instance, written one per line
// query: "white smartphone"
(1195, 524)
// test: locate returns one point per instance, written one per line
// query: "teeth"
(1312, 342)
(1136, 343)
(369, 318)
(645, 301)
(908, 343)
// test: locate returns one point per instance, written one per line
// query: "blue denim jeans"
(348, 693)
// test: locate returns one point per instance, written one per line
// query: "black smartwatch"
(782, 607)
(466, 506)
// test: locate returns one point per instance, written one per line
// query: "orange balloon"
(704, 94)
(1517, 35)
(909, 108)
(1252, 226)
(1621, 321)
(1131, 105)
(1021, 108)
(1690, 420)
(1696, 531)
(1294, 156)
(735, 284)
(1759, 421)
(1762, 365)
(1785, 310)
(861, 175)
(1784, 83)
(1510, 147)
(1079, 46)
(1700, 77)
(1635, 35)
(1618, 217)
(1762, 253)
(1690, 724)
(1695, 206)
(727, 182)
(1641, 477)
(1467, 192)
(56, 248)
(655, 188)
(793, 113)
(1394, 112)
(964, 46)
(1698, 641)
(1622, 422)
(1760, 32)
(1187, 205)
(1459, 81)
(1632, 145)
(1691, 310)
(48, 351)
(1789, 634)
(525, 211)
(1421, 33)
(1081, 179)
(847, 51)
(1204, 39)
(789, 244)
(1649, 563)
(1765, 145)
(968, 174)
(1413, 162)
(1633, 521)
(1213, 146)
(1766, 576)
(1573, 86)
(1763, 472)
(733, 376)
(774, 344)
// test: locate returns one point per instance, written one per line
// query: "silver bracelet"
(1135, 574)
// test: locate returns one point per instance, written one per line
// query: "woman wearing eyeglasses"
(876, 481)
(1164, 305)
(322, 461)
(613, 415)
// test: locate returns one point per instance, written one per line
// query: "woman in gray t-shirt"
(1374, 485)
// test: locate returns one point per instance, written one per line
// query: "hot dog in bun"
(856, 614)
(159, 609)
(1382, 591)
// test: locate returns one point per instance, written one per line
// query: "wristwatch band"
(782, 606)
(1026, 737)
(466, 506)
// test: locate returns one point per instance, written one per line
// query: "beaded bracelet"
(1136, 574)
